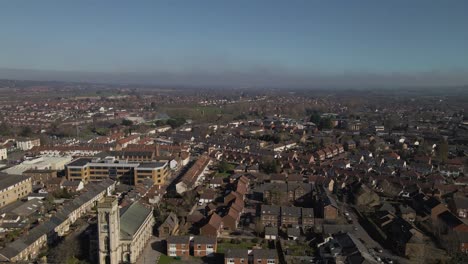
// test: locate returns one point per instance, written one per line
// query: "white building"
(3, 153)
(27, 144)
(42, 163)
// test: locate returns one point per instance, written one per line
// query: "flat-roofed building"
(41, 163)
(157, 171)
(98, 169)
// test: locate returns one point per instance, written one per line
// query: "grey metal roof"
(151, 165)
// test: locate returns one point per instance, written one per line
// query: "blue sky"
(294, 38)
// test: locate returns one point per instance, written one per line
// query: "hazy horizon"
(254, 79)
(243, 43)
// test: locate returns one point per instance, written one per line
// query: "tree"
(160, 123)
(102, 131)
(325, 123)
(26, 131)
(126, 122)
(176, 122)
(224, 166)
(270, 138)
(315, 118)
(269, 166)
(240, 117)
(442, 151)
(4, 129)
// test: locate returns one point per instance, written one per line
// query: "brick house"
(430, 206)
(265, 256)
(297, 192)
(169, 225)
(204, 246)
(269, 215)
(290, 216)
(327, 206)
(231, 219)
(236, 256)
(308, 218)
(213, 227)
(178, 246)
(459, 206)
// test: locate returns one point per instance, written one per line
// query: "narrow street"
(370, 243)
(152, 252)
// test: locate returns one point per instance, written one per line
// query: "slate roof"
(450, 219)
(270, 209)
(236, 253)
(264, 254)
(308, 212)
(271, 230)
(7, 180)
(461, 202)
(178, 240)
(131, 219)
(204, 240)
(290, 211)
(296, 232)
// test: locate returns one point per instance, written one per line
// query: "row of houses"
(191, 178)
(29, 245)
(287, 216)
(329, 152)
(184, 246)
(229, 214)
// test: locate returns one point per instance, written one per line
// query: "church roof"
(131, 219)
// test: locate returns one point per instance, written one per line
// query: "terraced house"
(29, 245)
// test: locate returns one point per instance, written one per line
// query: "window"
(209, 246)
(271, 261)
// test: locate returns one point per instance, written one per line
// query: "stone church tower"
(109, 231)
